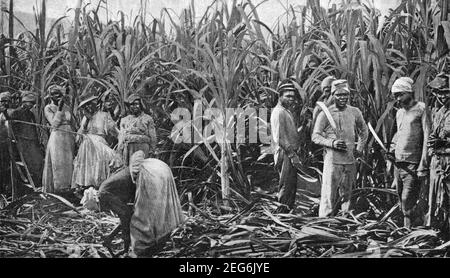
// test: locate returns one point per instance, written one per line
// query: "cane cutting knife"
(328, 115)
(375, 136)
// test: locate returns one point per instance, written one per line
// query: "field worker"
(326, 97)
(27, 137)
(148, 183)
(286, 142)
(92, 163)
(58, 166)
(410, 146)
(137, 131)
(439, 149)
(5, 176)
(339, 169)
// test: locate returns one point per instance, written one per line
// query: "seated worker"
(156, 211)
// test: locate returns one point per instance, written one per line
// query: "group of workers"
(342, 131)
(109, 153)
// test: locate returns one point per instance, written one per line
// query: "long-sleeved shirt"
(138, 129)
(441, 129)
(350, 124)
(55, 117)
(284, 131)
(101, 124)
(410, 141)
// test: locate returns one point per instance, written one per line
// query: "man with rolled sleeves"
(339, 170)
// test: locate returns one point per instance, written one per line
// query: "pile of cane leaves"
(258, 232)
(46, 225)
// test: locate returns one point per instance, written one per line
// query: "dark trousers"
(288, 183)
(408, 190)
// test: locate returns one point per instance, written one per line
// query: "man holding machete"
(335, 130)
(410, 146)
(286, 143)
(439, 149)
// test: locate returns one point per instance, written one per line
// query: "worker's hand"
(61, 104)
(436, 143)
(422, 173)
(340, 145)
(389, 156)
(295, 160)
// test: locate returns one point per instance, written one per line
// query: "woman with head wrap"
(27, 137)
(410, 147)
(58, 166)
(148, 183)
(92, 163)
(339, 165)
(137, 131)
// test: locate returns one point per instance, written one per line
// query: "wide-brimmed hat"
(85, 99)
(56, 89)
(28, 96)
(440, 83)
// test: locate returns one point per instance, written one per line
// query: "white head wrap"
(403, 84)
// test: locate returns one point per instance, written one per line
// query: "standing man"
(27, 137)
(137, 131)
(286, 142)
(410, 141)
(439, 149)
(339, 169)
(5, 177)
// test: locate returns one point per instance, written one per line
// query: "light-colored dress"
(58, 166)
(157, 208)
(136, 133)
(92, 164)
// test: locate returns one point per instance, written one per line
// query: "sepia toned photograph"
(224, 129)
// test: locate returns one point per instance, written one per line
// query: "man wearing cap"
(410, 146)
(58, 166)
(91, 165)
(339, 169)
(439, 150)
(326, 97)
(137, 131)
(5, 100)
(285, 142)
(27, 137)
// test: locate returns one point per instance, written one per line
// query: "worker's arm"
(363, 132)
(426, 127)
(151, 134)
(111, 127)
(319, 136)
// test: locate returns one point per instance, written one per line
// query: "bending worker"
(157, 209)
